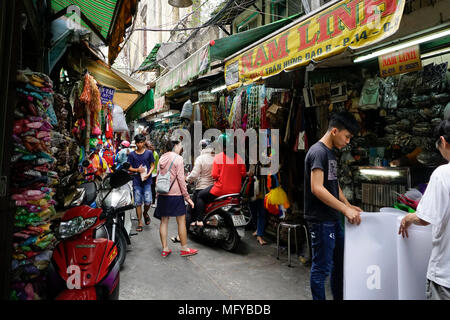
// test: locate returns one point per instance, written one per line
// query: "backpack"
(163, 184)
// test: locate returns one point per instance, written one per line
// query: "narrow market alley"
(252, 273)
(325, 122)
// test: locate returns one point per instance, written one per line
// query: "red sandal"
(165, 253)
(188, 252)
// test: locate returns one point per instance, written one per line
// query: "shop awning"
(198, 63)
(127, 90)
(226, 46)
(108, 19)
(149, 62)
(62, 36)
(144, 104)
(189, 69)
(322, 33)
(159, 56)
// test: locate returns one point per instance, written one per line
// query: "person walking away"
(122, 155)
(151, 147)
(172, 204)
(141, 162)
(434, 209)
(324, 201)
(227, 171)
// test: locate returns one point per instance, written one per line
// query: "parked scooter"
(85, 263)
(93, 193)
(79, 188)
(225, 220)
(119, 227)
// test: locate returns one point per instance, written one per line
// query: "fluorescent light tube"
(219, 88)
(436, 52)
(403, 45)
(381, 173)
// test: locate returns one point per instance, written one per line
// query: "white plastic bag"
(186, 112)
(119, 122)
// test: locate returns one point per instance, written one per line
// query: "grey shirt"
(321, 157)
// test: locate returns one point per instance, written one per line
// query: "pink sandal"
(188, 252)
(165, 253)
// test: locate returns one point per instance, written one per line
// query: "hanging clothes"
(263, 118)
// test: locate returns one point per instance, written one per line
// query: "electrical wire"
(193, 34)
(260, 12)
(182, 20)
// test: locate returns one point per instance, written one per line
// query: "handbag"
(163, 184)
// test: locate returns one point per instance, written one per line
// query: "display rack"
(377, 187)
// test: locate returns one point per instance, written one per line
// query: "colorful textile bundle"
(276, 201)
(88, 99)
(108, 120)
(32, 179)
(221, 121)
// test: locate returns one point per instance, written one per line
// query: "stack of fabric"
(32, 182)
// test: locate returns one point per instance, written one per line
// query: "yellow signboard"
(405, 60)
(347, 24)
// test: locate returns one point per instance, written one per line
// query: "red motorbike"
(225, 219)
(85, 264)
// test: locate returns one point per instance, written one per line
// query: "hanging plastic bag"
(186, 111)
(118, 120)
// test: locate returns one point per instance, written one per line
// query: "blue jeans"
(258, 211)
(327, 242)
(143, 194)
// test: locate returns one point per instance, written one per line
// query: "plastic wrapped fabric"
(118, 119)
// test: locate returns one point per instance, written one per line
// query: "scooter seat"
(226, 196)
(222, 201)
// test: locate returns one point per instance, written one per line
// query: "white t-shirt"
(434, 207)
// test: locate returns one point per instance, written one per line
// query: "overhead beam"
(224, 30)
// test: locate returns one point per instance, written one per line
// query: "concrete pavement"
(252, 273)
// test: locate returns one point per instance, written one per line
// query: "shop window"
(280, 8)
(249, 23)
(286, 8)
(413, 5)
(295, 6)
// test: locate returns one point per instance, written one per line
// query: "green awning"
(108, 19)
(224, 47)
(144, 104)
(149, 62)
(100, 13)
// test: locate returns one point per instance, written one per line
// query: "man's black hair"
(344, 120)
(443, 129)
(139, 138)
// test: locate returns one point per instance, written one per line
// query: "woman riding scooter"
(202, 175)
(227, 171)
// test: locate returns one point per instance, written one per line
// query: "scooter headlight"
(75, 226)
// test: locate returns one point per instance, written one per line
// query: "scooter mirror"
(119, 178)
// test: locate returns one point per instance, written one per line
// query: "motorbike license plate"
(238, 220)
